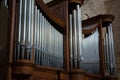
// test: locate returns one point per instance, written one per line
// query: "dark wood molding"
(55, 19)
(90, 30)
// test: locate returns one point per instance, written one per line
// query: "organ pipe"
(109, 51)
(79, 35)
(75, 37)
(71, 43)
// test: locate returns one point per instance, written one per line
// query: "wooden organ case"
(41, 41)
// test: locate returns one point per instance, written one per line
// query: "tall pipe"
(32, 21)
(35, 35)
(71, 43)
(112, 43)
(23, 31)
(79, 35)
(111, 49)
(75, 38)
(19, 29)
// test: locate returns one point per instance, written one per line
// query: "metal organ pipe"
(35, 35)
(112, 44)
(79, 35)
(107, 54)
(75, 37)
(111, 49)
(25, 29)
(48, 42)
(19, 23)
(71, 43)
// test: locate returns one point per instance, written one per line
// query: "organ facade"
(50, 42)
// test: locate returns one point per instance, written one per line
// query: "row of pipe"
(34, 31)
(109, 51)
(75, 37)
(84, 49)
(48, 42)
(24, 29)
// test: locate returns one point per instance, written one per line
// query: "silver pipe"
(75, 37)
(35, 29)
(54, 54)
(79, 35)
(42, 37)
(35, 35)
(71, 47)
(23, 28)
(79, 30)
(43, 33)
(49, 29)
(107, 52)
(39, 35)
(24, 22)
(32, 21)
(112, 44)
(29, 27)
(38, 30)
(20, 17)
(28, 23)
(49, 41)
(111, 48)
(19, 29)
(110, 52)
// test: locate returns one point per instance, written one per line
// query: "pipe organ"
(39, 40)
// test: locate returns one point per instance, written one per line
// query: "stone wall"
(93, 8)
